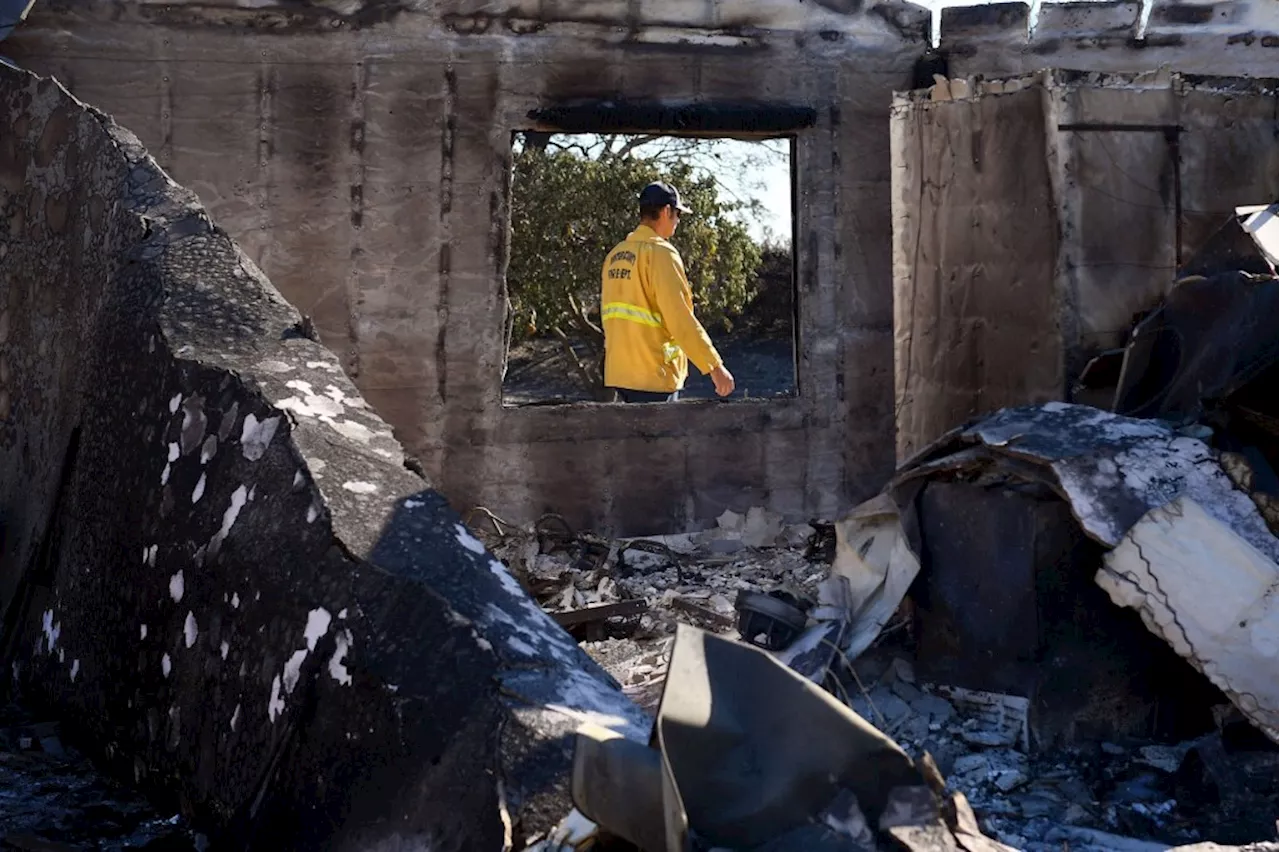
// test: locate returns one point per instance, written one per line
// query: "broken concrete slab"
(218, 566)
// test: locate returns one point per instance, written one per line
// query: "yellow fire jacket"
(650, 332)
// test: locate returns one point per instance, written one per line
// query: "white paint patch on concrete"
(413, 504)
(467, 540)
(235, 600)
(310, 404)
(318, 621)
(175, 450)
(275, 704)
(164, 474)
(256, 435)
(75, 670)
(342, 613)
(190, 630)
(142, 631)
(322, 365)
(176, 587)
(198, 492)
(238, 498)
(357, 487)
(235, 717)
(337, 668)
(51, 630)
(166, 665)
(515, 643)
(224, 649)
(174, 403)
(353, 430)
(293, 669)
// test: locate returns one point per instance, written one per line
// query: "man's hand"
(723, 380)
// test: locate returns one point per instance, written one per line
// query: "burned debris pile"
(1055, 628)
(624, 599)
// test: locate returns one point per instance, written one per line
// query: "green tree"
(571, 204)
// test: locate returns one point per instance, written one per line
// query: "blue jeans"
(646, 396)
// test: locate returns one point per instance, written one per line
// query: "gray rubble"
(1030, 788)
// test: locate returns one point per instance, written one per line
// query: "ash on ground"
(657, 582)
(1220, 788)
(53, 800)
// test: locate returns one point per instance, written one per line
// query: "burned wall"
(974, 244)
(1035, 217)
(366, 169)
(216, 565)
(361, 156)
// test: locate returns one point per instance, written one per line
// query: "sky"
(759, 171)
(747, 171)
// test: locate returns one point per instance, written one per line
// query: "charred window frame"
(746, 122)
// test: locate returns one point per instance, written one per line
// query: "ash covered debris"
(1071, 612)
(989, 615)
(52, 799)
(583, 580)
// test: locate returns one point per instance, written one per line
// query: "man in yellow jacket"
(650, 332)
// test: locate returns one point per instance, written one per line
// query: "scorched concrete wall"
(1035, 217)
(360, 153)
(362, 159)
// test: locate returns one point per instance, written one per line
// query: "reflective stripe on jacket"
(646, 306)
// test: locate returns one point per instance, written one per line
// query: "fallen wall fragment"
(216, 563)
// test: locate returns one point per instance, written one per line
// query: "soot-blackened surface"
(235, 594)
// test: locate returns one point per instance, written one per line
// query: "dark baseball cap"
(661, 194)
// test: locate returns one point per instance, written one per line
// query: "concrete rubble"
(1032, 785)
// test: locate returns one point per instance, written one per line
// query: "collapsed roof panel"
(1209, 594)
